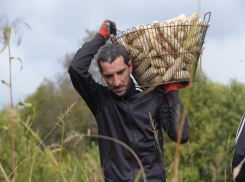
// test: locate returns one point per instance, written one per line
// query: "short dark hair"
(110, 52)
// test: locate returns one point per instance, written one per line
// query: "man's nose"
(116, 81)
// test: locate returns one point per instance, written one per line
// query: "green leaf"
(21, 67)
(3, 128)
(25, 104)
(6, 83)
(56, 150)
(34, 112)
(4, 47)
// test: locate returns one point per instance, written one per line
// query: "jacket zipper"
(131, 127)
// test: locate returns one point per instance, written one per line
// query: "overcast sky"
(57, 27)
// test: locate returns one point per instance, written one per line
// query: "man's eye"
(120, 72)
(108, 76)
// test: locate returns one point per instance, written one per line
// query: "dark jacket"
(239, 152)
(126, 118)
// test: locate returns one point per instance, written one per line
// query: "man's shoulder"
(103, 89)
(241, 128)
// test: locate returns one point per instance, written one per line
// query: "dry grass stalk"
(78, 137)
(61, 119)
(74, 136)
(174, 177)
(41, 143)
(138, 176)
(73, 178)
(4, 174)
(5, 33)
(191, 155)
(169, 168)
(124, 145)
(228, 148)
(237, 169)
(32, 166)
(62, 141)
(154, 130)
(57, 145)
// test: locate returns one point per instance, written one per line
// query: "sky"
(57, 27)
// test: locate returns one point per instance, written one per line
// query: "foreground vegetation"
(214, 114)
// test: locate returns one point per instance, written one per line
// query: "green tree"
(214, 114)
(53, 96)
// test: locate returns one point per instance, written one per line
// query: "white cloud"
(224, 59)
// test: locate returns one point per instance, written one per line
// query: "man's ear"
(130, 66)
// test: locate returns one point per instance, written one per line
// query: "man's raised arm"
(79, 66)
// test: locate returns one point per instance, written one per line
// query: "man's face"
(117, 75)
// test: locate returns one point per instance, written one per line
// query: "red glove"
(174, 86)
(108, 27)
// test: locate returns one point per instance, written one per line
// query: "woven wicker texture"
(165, 52)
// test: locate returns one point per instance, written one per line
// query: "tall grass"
(155, 132)
(80, 136)
(228, 148)
(174, 177)
(56, 163)
(81, 170)
(5, 34)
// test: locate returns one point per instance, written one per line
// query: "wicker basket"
(164, 52)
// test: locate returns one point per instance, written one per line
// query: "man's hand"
(174, 86)
(108, 27)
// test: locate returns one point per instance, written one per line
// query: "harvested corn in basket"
(165, 52)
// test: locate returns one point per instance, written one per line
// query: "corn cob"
(161, 71)
(182, 75)
(149, 74)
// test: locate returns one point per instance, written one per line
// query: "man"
(124, 115)
(239, 153)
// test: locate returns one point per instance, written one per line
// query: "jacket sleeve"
(239, 152)
(171, 114)
(82, 80)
